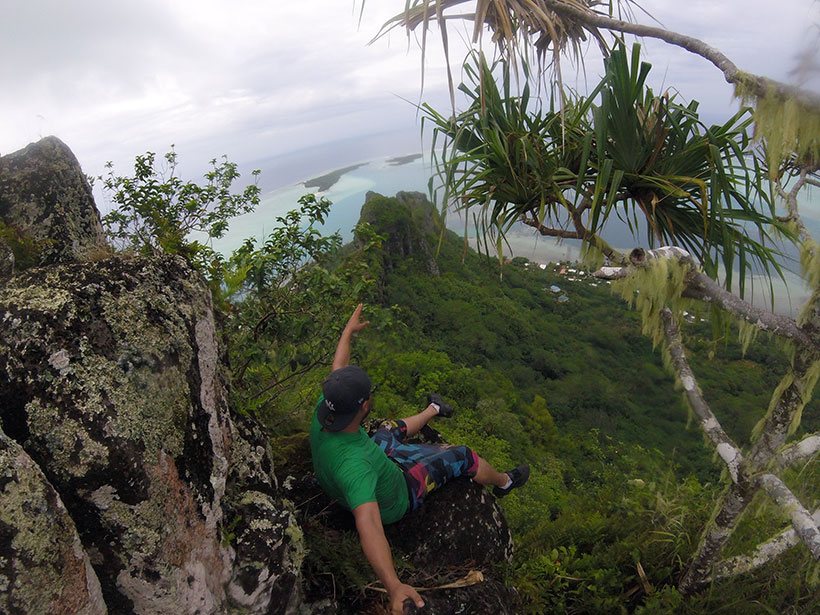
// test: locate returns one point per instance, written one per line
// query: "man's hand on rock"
(399, 594)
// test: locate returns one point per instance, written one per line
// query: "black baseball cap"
(345, 390)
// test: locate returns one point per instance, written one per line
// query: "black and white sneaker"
(518, 476)
(444, 410)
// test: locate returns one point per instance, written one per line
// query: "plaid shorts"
(425, 466)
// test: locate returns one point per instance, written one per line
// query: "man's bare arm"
(377, 551)
(353, 326)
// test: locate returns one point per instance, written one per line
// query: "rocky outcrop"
(458, 529)
(6, 261)
(113, 384)
(43, 566)
(410, 224)
(260, 525)
(45, 197)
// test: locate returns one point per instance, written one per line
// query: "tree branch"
(593, 238)
(702, 287)
(790, 198)
(760, 86)
(611, 273)
(763, 554)
(788, 400)
(799, 451)
(547, 231)
(802, 521)
(724, 445)
(580, 232)
(732, 503)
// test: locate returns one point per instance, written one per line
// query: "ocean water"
(380, 175)
(347, 194)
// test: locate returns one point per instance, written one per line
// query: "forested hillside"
(622, 481)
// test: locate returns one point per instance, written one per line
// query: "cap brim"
(333, 421)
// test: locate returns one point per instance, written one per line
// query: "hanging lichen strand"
(810, 262)
(651, 288)
(788, 127)
(591, 255)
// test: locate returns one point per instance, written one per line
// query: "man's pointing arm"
(353, 326)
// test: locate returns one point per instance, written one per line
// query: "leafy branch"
(157, 211)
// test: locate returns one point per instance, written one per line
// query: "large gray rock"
(43, 567)
(114, 385)
(45, 196)
(266, 540)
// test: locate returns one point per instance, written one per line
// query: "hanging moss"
(591, 256)
(746, 334)
(650, 289)
(810, 262)
(788, 126)
(805, 386)
(806, 391)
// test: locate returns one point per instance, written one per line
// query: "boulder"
(266, 541)
(6, 261)
(43, 566)
(47, 199)
(114, 386)
(459, 529)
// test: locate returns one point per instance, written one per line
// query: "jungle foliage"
(157, 211)
(621, 485)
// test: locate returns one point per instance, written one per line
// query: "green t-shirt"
(353, 470)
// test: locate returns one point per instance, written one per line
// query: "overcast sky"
(259, 78)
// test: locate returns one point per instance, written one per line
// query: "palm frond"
(621, 151)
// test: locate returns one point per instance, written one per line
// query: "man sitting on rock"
(383, 477)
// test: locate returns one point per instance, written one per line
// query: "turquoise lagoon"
(390, 174)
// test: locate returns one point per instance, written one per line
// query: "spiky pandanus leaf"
(695, 186)
(627, 153)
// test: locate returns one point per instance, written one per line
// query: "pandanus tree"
(713, 198)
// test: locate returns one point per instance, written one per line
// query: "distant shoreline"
(400, 160)
(325, 182)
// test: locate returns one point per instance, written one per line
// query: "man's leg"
(416, 422)
(488, 475)
(431, 466)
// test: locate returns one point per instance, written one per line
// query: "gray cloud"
(259, 78)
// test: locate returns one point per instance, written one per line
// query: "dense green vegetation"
(620, 480)
(622, 484)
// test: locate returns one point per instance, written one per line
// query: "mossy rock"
(114, 385)
(47, 202)
(43, 566)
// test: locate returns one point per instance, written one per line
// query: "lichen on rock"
(114, 385)
(45, 196)
(116, 389)
(43, 567)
